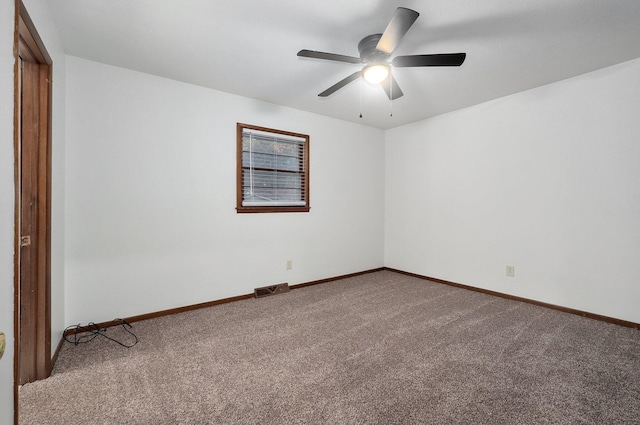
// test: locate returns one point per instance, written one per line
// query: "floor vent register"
(265, 291)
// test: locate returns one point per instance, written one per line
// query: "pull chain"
(390, 96)
(361, 90)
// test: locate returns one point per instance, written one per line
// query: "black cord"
(85, 334)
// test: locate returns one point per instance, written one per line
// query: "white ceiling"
(248, 47)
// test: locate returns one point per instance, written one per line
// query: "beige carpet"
(381, 348)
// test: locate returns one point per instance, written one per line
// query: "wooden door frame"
(28, 46)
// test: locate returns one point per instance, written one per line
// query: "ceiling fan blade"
(328, 56)
(392, 88)
(400, 23)
(442, 59)
(340, 84)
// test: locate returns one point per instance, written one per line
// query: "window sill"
(245, 210)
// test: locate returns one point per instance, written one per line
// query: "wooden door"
(33, 205)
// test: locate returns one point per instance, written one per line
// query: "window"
(272, 170)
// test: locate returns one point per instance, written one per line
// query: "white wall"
(7, 194)
(546, 180)
(151, 221)
(41, 16)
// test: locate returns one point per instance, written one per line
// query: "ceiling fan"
(375, 52)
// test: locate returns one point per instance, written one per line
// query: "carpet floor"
(380, 348)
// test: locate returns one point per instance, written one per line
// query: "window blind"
(273, 169)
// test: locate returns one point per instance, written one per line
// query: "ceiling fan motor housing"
(368, 51)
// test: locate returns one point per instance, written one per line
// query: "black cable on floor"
(84, 334)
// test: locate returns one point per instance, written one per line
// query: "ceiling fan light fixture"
(376, 73)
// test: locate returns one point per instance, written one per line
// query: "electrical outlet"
(289, 264)
(511, 271)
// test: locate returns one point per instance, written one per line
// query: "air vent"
(271, 290)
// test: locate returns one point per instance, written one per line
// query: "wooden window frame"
(239, 173)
